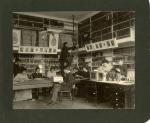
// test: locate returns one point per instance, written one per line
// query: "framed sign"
(16, 37)
(53, 40)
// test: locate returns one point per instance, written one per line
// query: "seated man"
(21, 77)
(21, 94)
(51, 73)
(56, 89)
(37, 75)
(69, 78)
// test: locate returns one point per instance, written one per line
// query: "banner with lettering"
(101, 45)
(37, 50)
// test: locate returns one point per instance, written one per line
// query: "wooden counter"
(29, 84)
(120, 94)
(23, 90)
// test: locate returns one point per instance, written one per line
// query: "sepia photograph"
(73, 60)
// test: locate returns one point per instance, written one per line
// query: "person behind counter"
(86, 73)
(37, 76)
(21, 77)
(17, 68)
(51, 73)
(117, 73)
(82, 73)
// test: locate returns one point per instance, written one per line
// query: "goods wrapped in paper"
(58, 79)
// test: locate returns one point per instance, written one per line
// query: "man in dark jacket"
(17, 68)
(36, 75)
(65, 57)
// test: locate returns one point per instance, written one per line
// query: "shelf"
(28, 20)
(98, 18)
(28, 27)
(40, 58)
(110, 29)
(80, 28)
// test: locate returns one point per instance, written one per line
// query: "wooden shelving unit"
(30, 27)
(31, 62)
(106, 26)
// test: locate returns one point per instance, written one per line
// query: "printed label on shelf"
(37, 50)
(101, 45)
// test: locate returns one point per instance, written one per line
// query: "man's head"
(65, 44)
(37, 70)
(52, 69)
(24, 71)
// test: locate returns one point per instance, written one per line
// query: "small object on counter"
(58, 79)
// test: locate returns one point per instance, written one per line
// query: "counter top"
(29, 84)
(116, 82)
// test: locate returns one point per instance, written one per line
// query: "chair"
(65, 93)
(66, 90)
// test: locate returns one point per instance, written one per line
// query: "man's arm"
(72, 48)
(17, 78)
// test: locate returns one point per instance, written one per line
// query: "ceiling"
(64, 15)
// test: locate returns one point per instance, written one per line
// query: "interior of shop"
(73, 60)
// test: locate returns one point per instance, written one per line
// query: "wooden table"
(23, 91)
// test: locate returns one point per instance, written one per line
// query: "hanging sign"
(101, 45)
(53, 40)
(37, 50)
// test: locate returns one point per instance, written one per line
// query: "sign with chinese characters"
(101, 45)
(37, 50)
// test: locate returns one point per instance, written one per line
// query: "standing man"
(65, 57)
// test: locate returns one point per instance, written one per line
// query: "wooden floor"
(77, 103)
